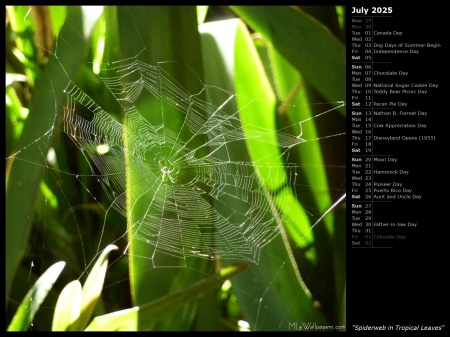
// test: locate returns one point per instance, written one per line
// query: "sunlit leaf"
(23, 183)
(145, 315)
(304, 42)
(92, 289)
(241, 66)
(34, 298)
(68, 307)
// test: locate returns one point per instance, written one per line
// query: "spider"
(166, 172)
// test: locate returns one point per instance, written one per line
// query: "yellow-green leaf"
(68, 307)
(34, 298)
(92, 289)
(303, 41)
(142, 317)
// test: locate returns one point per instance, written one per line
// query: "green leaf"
(282, 293)
(201, 14)
(68, 307)
(165, 37)
(34, 298)
(92, 289)
(297, 106)
(303, 41)
(58, 17)
(17, 16)
(22, 185)
(143, 317)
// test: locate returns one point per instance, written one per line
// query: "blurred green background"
(290, 58)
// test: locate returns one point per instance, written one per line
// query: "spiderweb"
(182, 186)
(177, 170)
